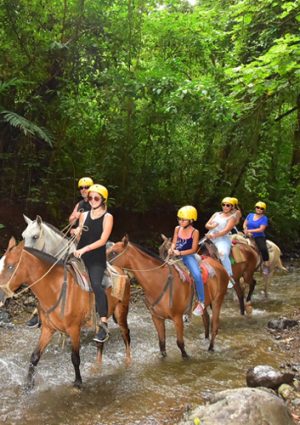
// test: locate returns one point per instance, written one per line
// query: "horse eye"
(10, 267)
(35, 237)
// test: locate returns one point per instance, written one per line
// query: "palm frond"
(26, 126)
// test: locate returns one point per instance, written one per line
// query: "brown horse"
(244, 269)
(64, 306)
(274, 258)
(167, 296)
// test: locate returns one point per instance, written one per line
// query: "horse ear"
(164, 238)
(125, 240)
(39, 219)
(27, 220)
(11, 244)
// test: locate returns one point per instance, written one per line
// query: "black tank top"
(93, 234)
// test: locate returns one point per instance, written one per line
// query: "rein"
(166, 262)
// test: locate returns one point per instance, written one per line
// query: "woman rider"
(92, 248)
(83, 205)
(255, 225)
(185, 244)
(219, 225)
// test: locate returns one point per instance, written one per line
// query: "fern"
(27, 127)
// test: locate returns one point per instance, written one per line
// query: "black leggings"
(261, 244)
(96, 273)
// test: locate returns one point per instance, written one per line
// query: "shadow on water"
(152, 390)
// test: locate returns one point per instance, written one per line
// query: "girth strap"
(62, 296)
(166, 287)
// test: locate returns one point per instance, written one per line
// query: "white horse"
(47, 238)
(274, 259)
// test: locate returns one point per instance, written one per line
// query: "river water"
(152, 391)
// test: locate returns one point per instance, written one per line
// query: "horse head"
(8, 267)
(32, 235)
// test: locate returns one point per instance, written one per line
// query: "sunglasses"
(84, 187)
(259, 208)
(226, 205)
(94, 198)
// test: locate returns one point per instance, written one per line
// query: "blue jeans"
(192, 264)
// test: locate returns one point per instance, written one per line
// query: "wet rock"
(286, 391)
(282, 323)
(267, 376)
(251, 406)
(4, 318)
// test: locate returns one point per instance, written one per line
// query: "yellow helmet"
(187, 213)
(99, 189)
(261, 205)
(227, 200)
(85, 181)
(234, 201)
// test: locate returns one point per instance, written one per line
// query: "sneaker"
(103, 333)
(198, 311)
(231, 283)
(34, 322)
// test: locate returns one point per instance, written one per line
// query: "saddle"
(113, 277)
(206, 269)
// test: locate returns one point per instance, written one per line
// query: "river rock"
(4, 317)
(267, 376)
(251, 406)
(282, 323)
(286, 391)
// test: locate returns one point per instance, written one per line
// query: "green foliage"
(166, 103)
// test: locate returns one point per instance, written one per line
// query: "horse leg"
(45, 337)
(178, 320)
(161, 331)
(252, 284)
(216, 307)
(206, 320)
(240, 294)
(120, 313)
(267, 280)
(74, 334)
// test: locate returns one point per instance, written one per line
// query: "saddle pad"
(237, 254)
(118, 281)
(206, 271)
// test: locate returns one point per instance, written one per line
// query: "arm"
(211, 223)
(75, 214)
(261, 228)
(229, 226)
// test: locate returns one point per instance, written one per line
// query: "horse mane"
(55, 229)
(43, 256)
(148, 252)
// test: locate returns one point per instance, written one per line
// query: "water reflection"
(152, 391)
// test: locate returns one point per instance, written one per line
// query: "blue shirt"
(255, 224)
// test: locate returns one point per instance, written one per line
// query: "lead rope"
(59, 257)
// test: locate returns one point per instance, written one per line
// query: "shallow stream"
(152, 391)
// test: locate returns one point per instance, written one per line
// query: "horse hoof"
(163, 354)
(77, 386)
(185, 356)
(211, 349)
